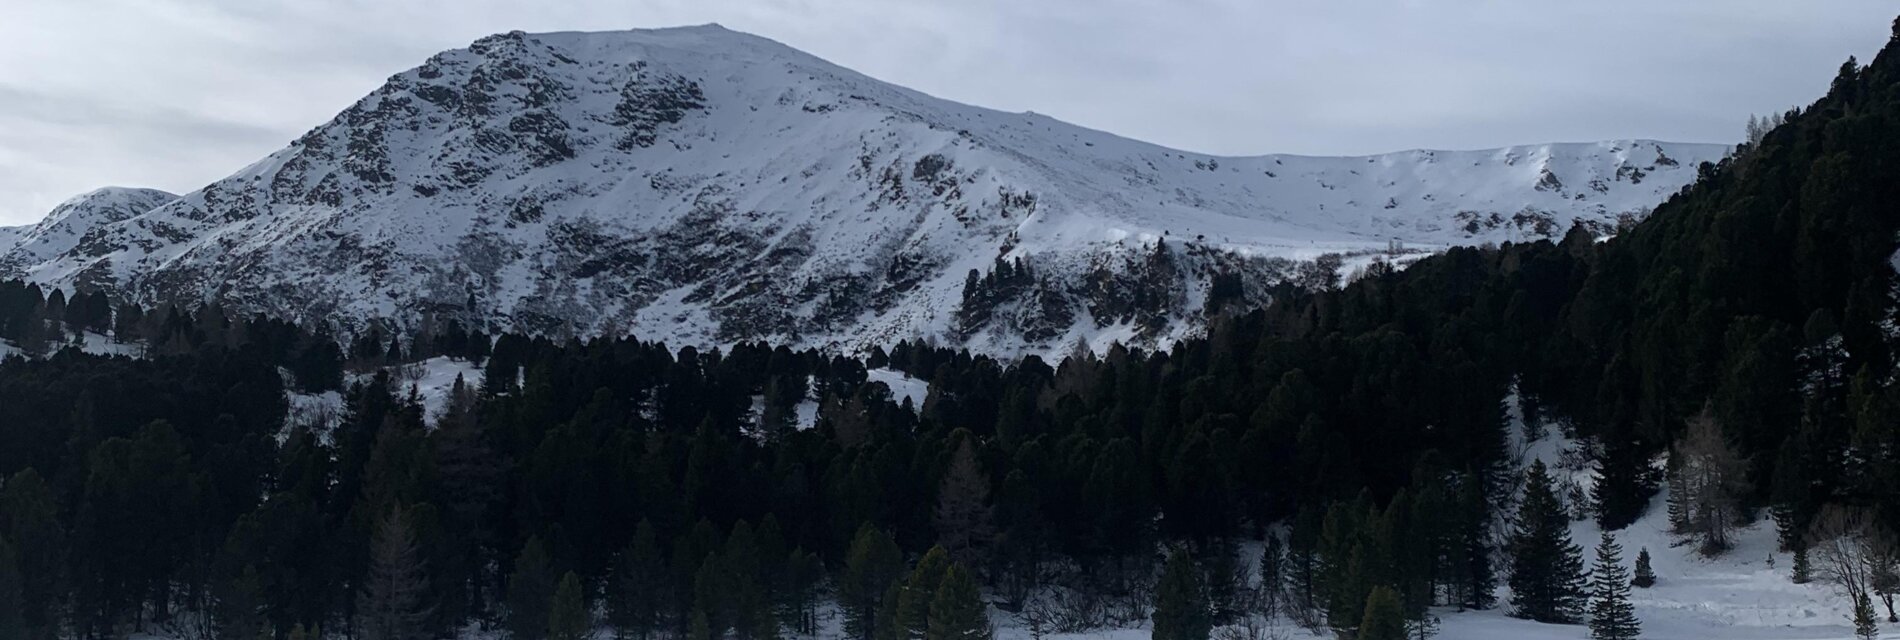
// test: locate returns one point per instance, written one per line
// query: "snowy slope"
(703, 186)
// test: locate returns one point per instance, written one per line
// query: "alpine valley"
(703, 186)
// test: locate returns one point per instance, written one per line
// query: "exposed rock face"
(703, 186)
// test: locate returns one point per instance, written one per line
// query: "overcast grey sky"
(174, 94)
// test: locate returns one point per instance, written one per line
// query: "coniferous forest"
(1352, 447)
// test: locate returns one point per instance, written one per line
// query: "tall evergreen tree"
(1611, 616)
(872, 566)
(639, 594)
(920, 590)
(1302, 559)
(886, 625)
(1802, 572)
(239, 611)
(1181, 611)
(1477, 578)
(964, 520)
(12, 600)
(568, 617)
(531, 589)
(29, 519)
(1546, 568)
(392, 604)
(957, 611)
(799, 596)
(1384, 616)
(1272, 575)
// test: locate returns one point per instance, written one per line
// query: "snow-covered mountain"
(700, 185)
(66, 227)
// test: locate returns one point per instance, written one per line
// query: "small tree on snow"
(1645, 577)
(1611, 616)
(1864, 627)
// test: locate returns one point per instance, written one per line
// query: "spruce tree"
(700, 628)
(639, 593)
(914, 599)
(393, 603)
(1802, 572)
(1272, 575)
(1477, 578)
(12, 586)
(530, 589)
(239, 614)
(1302, 559)
(1180, 609)
(872, 566)
(799, 597)
(964, 519)
(887, 626)
(1645, 577)
(567, 612)
(1225, 580)
(1864, 626)
(1611, 616)
(957, 612)
(1547, 568)
(1384, 617)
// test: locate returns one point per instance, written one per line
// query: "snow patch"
(903, 387)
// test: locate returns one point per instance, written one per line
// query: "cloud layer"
(173, 94)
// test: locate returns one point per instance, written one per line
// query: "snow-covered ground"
(94, 343)
(902, 385)
(434, 379)
(1744, 594)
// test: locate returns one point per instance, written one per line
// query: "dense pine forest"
(1736, 347)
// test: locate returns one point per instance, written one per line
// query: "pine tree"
(715, 595)
(567, 612)
(887, 626)
(1611, 616)
(640, 593)
(393, 605)
(799, 597)
(239, 613)
(29, 519)
(12, 586)
(872, 566)
(920, 591)
(1302, 559)
(957, 611)
(1477, 578)
(700, 628)
(1802, 572)
(1225, 580)
(1180, 609)
(1384, 617)
(963, 517)
(530, 590)
(1645, 577)
(1547, 568)
(1272, 575)
(1864, 626)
